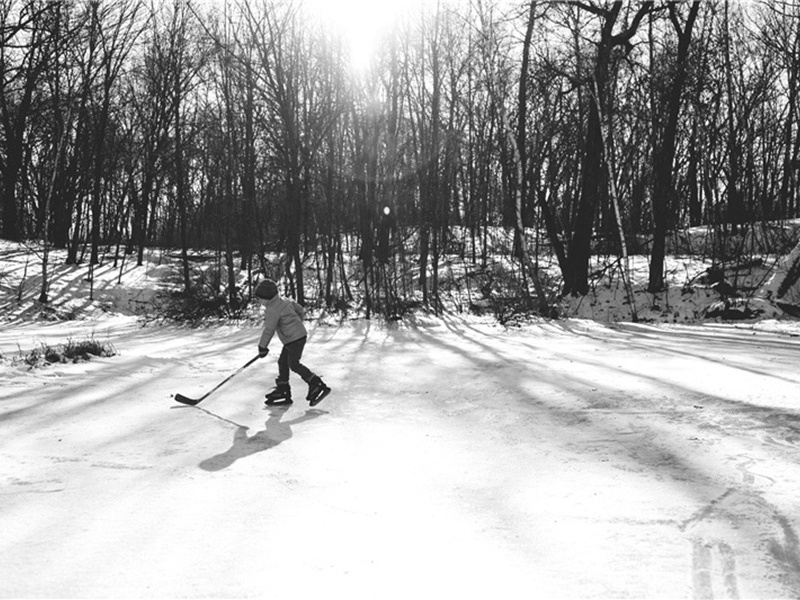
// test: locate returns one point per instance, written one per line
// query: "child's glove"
(262, 352)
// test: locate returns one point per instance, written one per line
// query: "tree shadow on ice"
(275, 432)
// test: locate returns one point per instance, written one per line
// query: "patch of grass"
(71, 351)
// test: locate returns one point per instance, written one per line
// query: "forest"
(516, 139)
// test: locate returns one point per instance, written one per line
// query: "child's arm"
(270, 325)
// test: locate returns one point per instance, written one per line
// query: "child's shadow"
(274, 433)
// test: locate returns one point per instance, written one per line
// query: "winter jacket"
(284, 317)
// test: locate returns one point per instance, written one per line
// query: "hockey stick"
(192, 401)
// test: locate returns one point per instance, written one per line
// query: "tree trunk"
(180, 191)
(594, 181)
(664, 153)
(736, 209)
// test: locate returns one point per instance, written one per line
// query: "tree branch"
(624, 36)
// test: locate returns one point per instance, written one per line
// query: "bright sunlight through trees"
(361, 23)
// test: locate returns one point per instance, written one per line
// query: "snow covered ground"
(454, 458)
(558, 460)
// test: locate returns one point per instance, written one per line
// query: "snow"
(454, 458)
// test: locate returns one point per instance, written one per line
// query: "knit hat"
(267, 289)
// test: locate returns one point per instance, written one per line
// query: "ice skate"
(282, 394)
(317, 390)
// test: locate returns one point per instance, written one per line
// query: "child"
(285, 317)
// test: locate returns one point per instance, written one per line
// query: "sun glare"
(361, 23)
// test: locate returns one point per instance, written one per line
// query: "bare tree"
(666, 132)
(516, 140)
(113, 30)
(781, 36)
(594, 182)
(23, 60)
(297, 106)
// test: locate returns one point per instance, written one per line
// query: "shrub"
(196, 307)
(71, 351)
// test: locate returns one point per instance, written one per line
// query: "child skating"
(285, 317)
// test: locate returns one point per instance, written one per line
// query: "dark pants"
(290, 359)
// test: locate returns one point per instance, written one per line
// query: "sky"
(362, 23)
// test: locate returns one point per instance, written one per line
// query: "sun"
(362, 24)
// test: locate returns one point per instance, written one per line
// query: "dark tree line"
(576, 126)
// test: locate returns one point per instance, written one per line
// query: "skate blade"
(278, 402)
(319, 397)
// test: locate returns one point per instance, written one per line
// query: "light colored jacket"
(284, 317)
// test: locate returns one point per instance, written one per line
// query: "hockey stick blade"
(184, 400)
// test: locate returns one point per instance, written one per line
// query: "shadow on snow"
(275, 432)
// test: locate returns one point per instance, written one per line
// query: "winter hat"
(267, 289)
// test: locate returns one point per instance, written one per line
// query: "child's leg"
(282, 394)
(283, 365)
(294, 352)
(317, 389)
